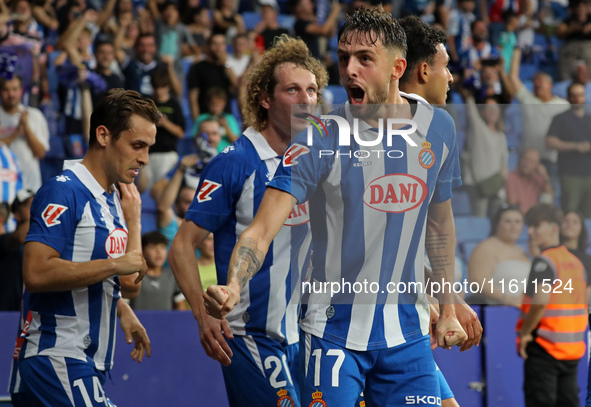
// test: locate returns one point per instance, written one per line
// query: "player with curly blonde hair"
(264, 332)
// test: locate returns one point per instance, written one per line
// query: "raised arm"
(514, 71)
(250, 251)
(440, 245)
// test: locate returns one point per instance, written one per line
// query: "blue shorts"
(446, 392)
(59, 381)
(335, 376)
(263, 372)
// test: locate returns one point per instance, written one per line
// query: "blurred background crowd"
(521, 81)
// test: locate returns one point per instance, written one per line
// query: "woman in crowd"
(498, 263)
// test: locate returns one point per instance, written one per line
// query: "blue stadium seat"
(513, 159)
(523, 237)
(588, 224)
(251, 19)
(513, 127)
(467, 248)
(286, 21)
(472, 228)
(460, 202)
(338, 92)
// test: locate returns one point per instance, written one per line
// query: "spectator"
(170, 128)
(207, 140)
(206, 263)
(508, 38)
(239, 59)
(173, 37)
(499, 257)
(45, 14)
(159, 290)
(551, 363)
(480, 49)
(570, 135)
(459, 35)
(216, 103)
(309, 29)
(529, 183)
(174, 194)
(537, 110)
(579, 73)
(11, 252)
(200, 29)
(11, 177)
(126, 37)
(226, 21)
(574, 235)
(269, 27)
(485, 165)
(138, 70)
(105, 58)
(214, 71)
(24, 130)
(576, 31)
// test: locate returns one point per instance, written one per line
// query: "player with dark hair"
(77, 248)
(263, 329)
(365, 228)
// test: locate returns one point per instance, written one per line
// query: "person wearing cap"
(11, 252)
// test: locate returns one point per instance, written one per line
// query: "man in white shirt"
(24, 130)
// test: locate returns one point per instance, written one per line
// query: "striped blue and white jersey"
(368, 211)
(230, 191)
(74, 215)
(11, 177)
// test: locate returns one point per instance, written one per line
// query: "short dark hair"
(4, 80)
(159, 78)
(572, 85)
(154, 237)
(543, 213)
(496, 219)
(115, 109)
(102, 42)
(422, 41)
(368, 25)
(216, 93)
(142, 36)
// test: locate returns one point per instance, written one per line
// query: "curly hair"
(367, 25)
(262, 79)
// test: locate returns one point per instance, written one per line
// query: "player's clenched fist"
(220, 300)
(132, 262)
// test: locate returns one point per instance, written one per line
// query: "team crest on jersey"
(51, 214)
(291, 155)
(207, 188)
(330, 311)
(284, 399)
(395, 193)
(298, 215)
(426, 156)
(317, 400)
(116, 243)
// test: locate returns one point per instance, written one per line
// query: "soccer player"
(263, 329)
(365, 226)
(427, 75)
(77, 247)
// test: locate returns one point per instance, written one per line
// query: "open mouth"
(356, 94)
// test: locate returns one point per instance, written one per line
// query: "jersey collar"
(85, 177)
(260, 144)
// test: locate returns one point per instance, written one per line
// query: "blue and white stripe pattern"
(230, 191)
(90, 225)
(11, 178)
(368, 220)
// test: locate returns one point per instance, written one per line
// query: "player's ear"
(103, 136)
(423, 72)
(398, 68)
(265, 100)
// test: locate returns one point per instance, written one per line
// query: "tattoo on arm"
(437, 246)
(248, 262)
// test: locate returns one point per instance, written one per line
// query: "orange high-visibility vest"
(561, 331)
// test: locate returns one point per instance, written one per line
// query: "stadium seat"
(251, 19)
(472, 228)
(286, 21)
(467, 248)
(588, 225)
(513, 160)
(460, 203)
(513, 129)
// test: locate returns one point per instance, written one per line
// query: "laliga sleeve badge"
(317, 400)
(284, 399)
(426, 156)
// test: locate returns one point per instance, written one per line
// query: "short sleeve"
(541, 269)
(219, 188)
(53, 215)
(449, 176)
